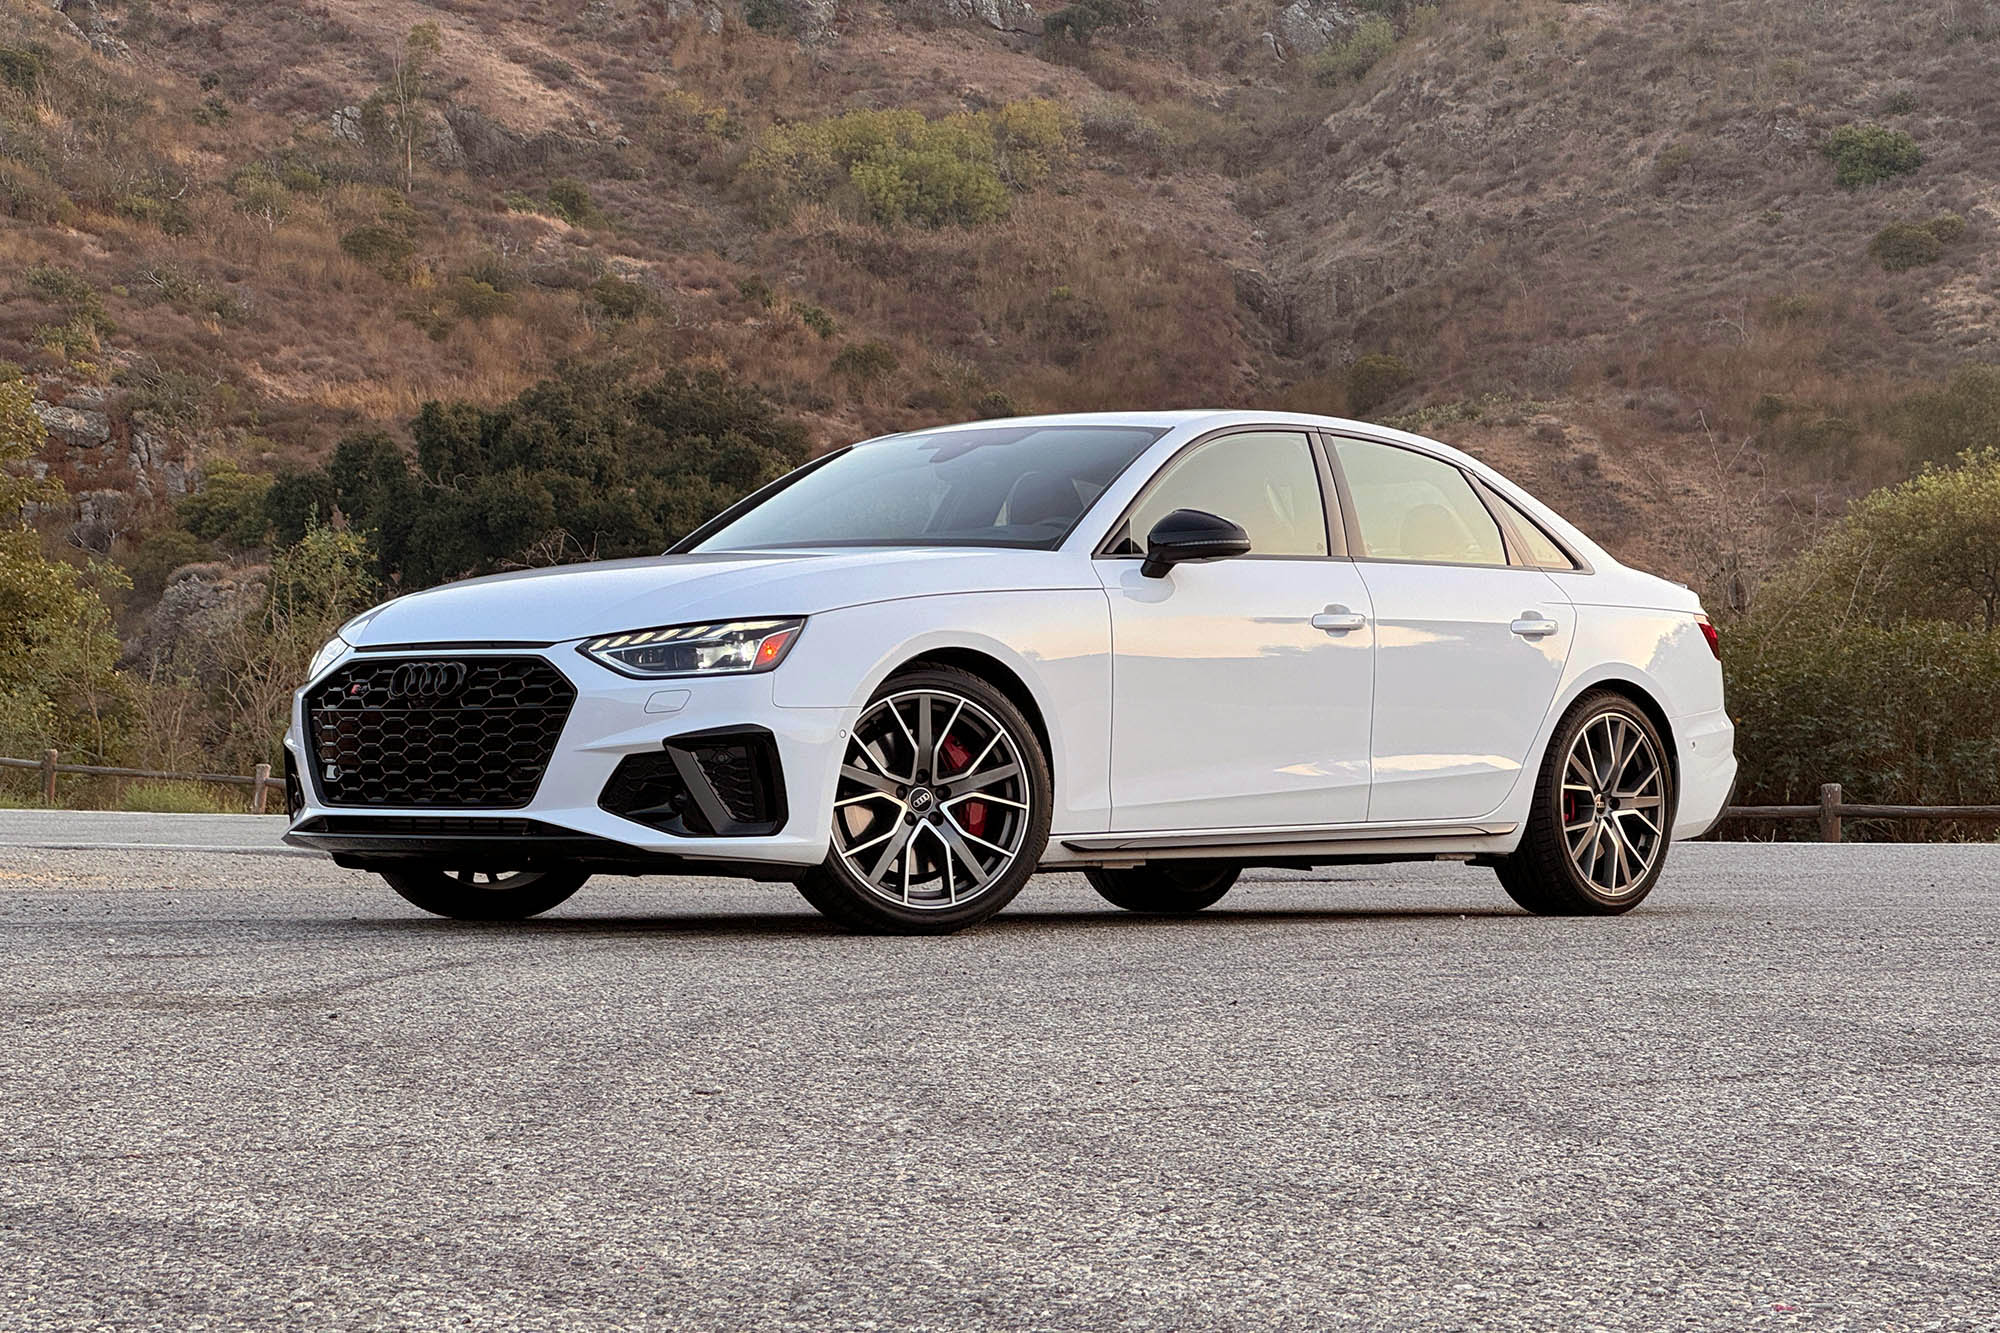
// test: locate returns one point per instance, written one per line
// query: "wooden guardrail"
(259, 782)
(1831, 810)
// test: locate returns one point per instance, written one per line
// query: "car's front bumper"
(613, 717)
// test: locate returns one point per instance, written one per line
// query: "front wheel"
(941, 811)
(482, 895)
(1603, 814)
(1166, 888)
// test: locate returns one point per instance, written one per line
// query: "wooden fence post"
(258, 782)
(48, 777)
(1829, 812)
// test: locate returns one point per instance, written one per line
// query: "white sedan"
(1154, 647)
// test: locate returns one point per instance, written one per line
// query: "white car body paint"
(1199, 714)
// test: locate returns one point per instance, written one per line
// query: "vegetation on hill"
(1703, 272)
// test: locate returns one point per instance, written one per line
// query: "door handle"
(1534, 625)
(1338, 619)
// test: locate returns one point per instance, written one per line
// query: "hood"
(606, 597)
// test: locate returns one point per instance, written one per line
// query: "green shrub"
(1074, 25)
(384, 248)
(1865, 154)
(756, 291)
(1939, 426)
(994, 404)
(865, 363)
(1374, 379)
(1373, 39)
(229, 506)
(158, 555)
(21, 68)
(766, 15)
(570, 199)
(73, 292)
(1904, 245)
(618, 298)
(818, 320)
(260, 193)
(478, 300)
(896, 166)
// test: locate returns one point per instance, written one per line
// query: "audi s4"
(1156, 648)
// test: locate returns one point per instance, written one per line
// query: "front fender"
(1056, 643)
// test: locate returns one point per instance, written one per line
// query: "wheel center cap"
(921, 799)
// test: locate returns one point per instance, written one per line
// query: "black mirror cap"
(1189, 535)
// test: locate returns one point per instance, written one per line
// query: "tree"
(315, 586)
(583, 466)
(399, 106)
(58, 685)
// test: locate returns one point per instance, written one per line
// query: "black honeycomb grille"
(474, 733)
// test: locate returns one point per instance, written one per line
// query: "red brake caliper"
(974, 812)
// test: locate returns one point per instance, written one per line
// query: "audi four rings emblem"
(427, 680)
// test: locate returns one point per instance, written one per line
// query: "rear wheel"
(1165, 888)
(485, 895)
(941, 811)
(1597, 834)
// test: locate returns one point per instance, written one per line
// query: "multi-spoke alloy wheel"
(484, 895)
(940, 811)
(1613, 803)
(1597, 834)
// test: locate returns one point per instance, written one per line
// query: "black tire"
(847, 899)
(1165, 888)
(468, 895)
(1543, 875)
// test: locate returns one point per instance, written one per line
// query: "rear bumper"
(1707, 743)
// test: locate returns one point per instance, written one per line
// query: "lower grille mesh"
(472, 733)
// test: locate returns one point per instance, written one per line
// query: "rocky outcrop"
(1307, 26)
(1000, 15)
(74, 427)
(201, 605)
(89, 24)
(705, 12)
(346, 125)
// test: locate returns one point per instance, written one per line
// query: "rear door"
(1470, 640)
(1231, 708)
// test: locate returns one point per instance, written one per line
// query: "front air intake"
(725, 783)
(466, 733)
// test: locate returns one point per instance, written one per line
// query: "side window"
(1264, 481)
(1411, 506)
(1535, 547)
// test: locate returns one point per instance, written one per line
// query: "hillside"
(1603, 245)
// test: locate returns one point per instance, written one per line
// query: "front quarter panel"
(1058, 643)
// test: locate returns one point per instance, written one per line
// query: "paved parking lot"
(246, 1090)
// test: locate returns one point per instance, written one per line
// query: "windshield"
(1023, 486)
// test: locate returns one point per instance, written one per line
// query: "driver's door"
(1231, 708)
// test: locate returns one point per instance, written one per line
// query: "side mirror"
(1189, 535)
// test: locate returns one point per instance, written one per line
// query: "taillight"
(1708, 632)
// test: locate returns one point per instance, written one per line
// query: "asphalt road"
(241, 1090)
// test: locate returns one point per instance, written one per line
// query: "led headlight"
(323, 659)
(696, 650)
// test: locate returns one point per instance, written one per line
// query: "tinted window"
(1537, 548)
(967, 486)
(1264, 481)
(1411, 506)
